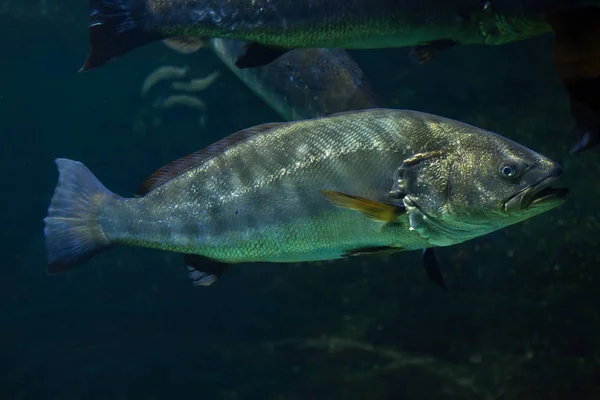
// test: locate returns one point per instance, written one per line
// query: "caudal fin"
(116, 27)
(73, 234)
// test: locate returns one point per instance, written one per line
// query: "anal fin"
(372, 251)
(203, 271)
(425, 52)
(432, 268)
(258, 55)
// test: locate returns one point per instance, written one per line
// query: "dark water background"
(520, 320)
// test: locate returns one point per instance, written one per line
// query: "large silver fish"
(304, 83)
(362, 182)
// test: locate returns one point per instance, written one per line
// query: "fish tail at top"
(115, 29)
(73, 233)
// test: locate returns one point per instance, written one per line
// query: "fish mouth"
(538, 194)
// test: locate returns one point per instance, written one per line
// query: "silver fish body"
(261, 201)
(410, 180)
(304, 83)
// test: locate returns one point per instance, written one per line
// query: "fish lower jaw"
(538, 195)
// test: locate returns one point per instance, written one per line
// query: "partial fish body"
(118, 26)
(304, 83)
(575, 25)
(365, 182)
(273, 27)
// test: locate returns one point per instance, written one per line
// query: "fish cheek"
(472, 191)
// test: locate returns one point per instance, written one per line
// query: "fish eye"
(508, 170)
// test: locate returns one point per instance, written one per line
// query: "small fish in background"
(162, 73)
(185, 100)
(303, 83)
(174, 98)
(196, 85)
(182, 100)
(366, 182)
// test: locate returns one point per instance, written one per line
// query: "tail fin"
(73, 234)
(115, 29)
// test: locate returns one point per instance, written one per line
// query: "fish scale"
(273, 181)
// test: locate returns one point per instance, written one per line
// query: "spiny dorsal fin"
(177, 167)
(375, 210)
(432, 268)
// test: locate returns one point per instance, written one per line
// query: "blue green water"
(520, 320)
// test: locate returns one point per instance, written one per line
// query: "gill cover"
(422, 182)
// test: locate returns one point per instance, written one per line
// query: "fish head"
(505, 21)
(476, 185)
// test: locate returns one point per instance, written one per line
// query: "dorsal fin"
(177, 167)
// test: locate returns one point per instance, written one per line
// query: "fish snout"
(540, 192)
(556, 172)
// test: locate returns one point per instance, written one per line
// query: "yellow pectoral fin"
(375, 210)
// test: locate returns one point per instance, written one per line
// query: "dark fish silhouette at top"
(273, 27)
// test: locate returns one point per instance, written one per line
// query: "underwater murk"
(519, 318)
